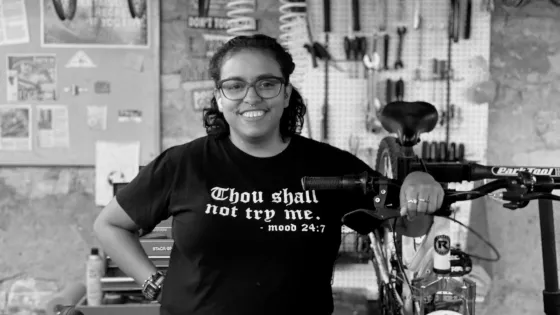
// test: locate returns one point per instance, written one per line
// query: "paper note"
(115, 162)
(52, 126)
(15, 127)
(97, 117)
(13, 22)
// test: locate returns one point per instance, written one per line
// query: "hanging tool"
(389, 88)
(355, 50)
(325, 109)
(383, 13)
(417, 24)
(401, 31)
(399, 90)
(468, 20)
(372, 62)
(454, 20)
(354, 47)
(435, 78)
(386, 42)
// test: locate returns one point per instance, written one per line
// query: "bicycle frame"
(457, 172)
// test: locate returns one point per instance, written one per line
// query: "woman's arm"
(118, 236)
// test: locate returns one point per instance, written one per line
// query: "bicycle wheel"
(65, 14)
(137, 8)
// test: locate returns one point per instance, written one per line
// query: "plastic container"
(95, 268)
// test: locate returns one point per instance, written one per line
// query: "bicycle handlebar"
(521, 188)
(457, 172)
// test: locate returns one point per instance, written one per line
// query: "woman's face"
(256, 114)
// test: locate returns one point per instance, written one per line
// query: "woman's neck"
(260, 147)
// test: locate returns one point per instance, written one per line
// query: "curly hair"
(292, 119)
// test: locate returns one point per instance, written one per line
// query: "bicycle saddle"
(408, 120)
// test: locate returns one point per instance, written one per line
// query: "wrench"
(386, 42)
(401, 31)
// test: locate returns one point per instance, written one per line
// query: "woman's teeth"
(254, 113)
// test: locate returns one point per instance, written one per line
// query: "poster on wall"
(13, 22)
(31, 77)
(15, 127)
(99, 23)
(52, 127)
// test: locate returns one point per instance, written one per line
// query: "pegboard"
(348, 96)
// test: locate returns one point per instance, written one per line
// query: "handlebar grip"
(346, 182)
(321, 183)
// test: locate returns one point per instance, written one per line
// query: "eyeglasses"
(236, 90)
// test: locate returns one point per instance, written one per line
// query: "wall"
(46, 213)
(523, 130)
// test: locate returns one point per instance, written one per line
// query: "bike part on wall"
(65, 10)
(293, 36)
(241, 20)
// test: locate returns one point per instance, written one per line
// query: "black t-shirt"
(247, 239)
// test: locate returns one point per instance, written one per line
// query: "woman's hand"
(420, 194)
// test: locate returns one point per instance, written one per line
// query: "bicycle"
(396, 159)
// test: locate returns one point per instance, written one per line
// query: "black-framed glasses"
(236, 89)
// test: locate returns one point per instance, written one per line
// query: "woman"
(247, 239)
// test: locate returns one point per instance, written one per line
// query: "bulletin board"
(68, 81)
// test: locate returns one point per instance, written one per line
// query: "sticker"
(508, 171)
(201, 98)
(207, 22)
(80, 60)
(130, 115)
(102, 87)
(442, 244)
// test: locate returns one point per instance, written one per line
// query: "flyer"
(13, 22)
(52, 126)
(31, 77)
(15, 127)
(99, 23)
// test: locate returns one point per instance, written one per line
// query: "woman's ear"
(218, 98)
(287, 94)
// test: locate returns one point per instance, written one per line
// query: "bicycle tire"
(137, 11)
(62, 14)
